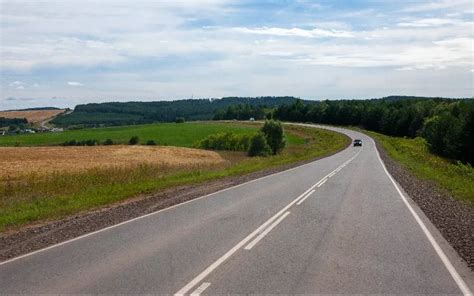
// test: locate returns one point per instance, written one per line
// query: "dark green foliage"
(179, 120)
(13, 122)
(450, 131)
(274, 135)
(134, 140)
(116, 113)
(90, 142)
(225, 141)
(70, 143)
(259, 146)
(241, 112)
(108, 142)
(446, 124)
(151, 143)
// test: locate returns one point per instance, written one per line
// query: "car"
(357, 142)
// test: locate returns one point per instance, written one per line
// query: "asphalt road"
(336, 225)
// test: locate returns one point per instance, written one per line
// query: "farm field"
(32, 116)
(171, 134)
(75, 187)
(19, 161)
(167, 134)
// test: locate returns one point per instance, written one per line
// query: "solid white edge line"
(154, 213)
(332, 174)
(449, 266)
(263, 234)
(321, 184)
(229, 253)
(200, 289)
(304, 198)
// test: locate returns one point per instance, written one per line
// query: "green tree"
(259, 146)
(274, 134)
(134, 140)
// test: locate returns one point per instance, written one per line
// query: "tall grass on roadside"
(414, 155)
(34, 196)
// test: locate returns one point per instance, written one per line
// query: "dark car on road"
(357, 142)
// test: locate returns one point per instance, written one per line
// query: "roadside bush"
(259, 146)
(225, 141)
(179, 120)
(151, 143)
(70, 143)
(274, 134)
(108, 142)
(134, 140)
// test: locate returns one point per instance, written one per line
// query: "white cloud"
(172, 49)
(17, 83)
(20, 87)
(296, 32)
(440, 5)
(429, 22)
(74, 83)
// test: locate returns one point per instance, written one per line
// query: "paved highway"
(336, 225)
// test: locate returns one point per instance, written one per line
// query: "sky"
(69, 52)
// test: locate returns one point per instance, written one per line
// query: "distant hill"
(118, 113)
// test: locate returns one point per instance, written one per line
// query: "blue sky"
(63, 53)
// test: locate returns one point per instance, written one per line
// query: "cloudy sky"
(62, 53)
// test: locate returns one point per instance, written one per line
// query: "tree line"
(126, 113)
(446, 124)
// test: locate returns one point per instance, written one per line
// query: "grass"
(172, 134)
(413, 154)
(46, 197)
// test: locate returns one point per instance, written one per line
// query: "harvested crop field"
(25, 160)
(33, 116)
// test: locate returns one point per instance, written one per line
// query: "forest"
(116, 113)
(447, 125)
(12, 122)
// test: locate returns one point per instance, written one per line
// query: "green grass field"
(170, 134)
(413, 154)
(53, 196)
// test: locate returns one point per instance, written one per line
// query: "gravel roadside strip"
(41, 235)
(453, 218)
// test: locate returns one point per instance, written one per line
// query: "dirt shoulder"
(453, 218)
(35, 237)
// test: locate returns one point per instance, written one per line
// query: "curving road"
(336, 225)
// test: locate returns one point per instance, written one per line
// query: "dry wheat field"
(33, 116)
(18, 161)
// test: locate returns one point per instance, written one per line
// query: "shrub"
(151, 143)
(225, 141)
(274, 134)
(91, 142)
(259, 146)
(108, 142)
(70, 143)
(179, 120)
(134, 140)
